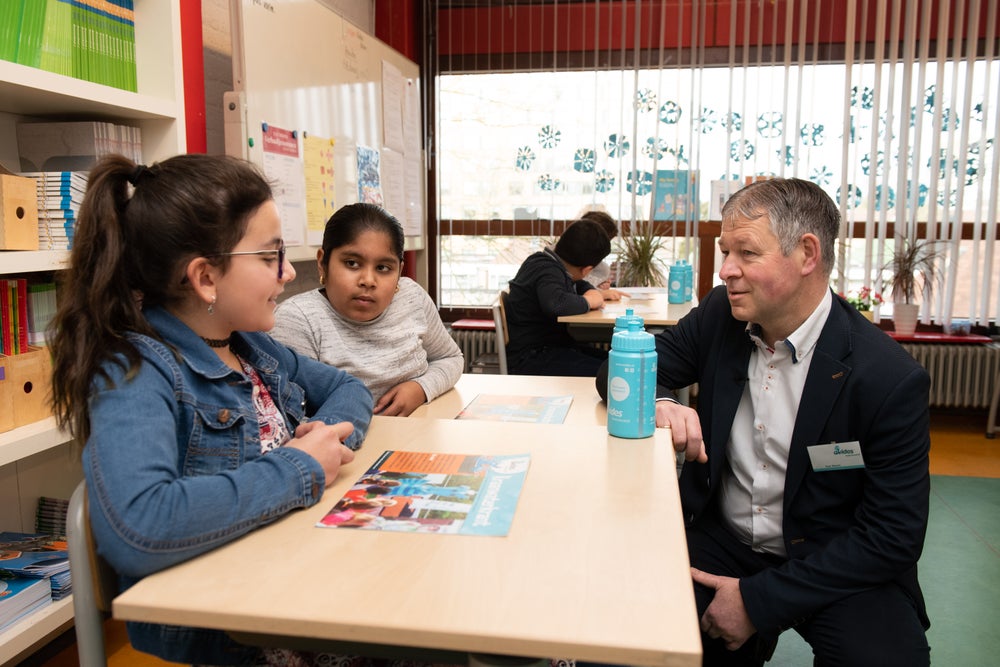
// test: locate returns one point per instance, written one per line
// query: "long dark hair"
(347, 223)
(138, 228)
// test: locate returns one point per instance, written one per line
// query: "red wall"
(569, 26)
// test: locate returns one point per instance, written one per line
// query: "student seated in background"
(601, 276)
(197, 427)
(368, 320)
(551, 283)
(807, 485)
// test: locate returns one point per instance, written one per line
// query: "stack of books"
(74, 145)
(60, 194)
(51, 516)
(93, 40)
(13, 316)
(20, 596)
(37, 556)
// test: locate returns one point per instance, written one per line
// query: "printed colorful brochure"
(422, 492)
(526, 409)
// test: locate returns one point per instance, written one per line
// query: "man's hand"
(685, 429)
(726, 618)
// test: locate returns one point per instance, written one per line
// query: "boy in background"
(549, 284)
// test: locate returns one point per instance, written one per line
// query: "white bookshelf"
(38, 459)
(35, 630)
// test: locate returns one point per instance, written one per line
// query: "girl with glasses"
(198, 427)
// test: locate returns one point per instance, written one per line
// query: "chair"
(500, 328)
(94, 583)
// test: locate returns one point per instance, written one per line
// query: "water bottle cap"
(634, 339)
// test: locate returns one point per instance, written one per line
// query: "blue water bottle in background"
(687, 272)
(632, 382)
(621, 322)
(675, 283)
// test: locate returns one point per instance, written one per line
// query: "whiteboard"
(307, 78)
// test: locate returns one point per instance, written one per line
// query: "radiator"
(962, 376)
(474, 344)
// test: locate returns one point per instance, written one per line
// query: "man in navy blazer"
(806, 485)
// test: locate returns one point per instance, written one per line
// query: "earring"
(322, 279)
(211, 306)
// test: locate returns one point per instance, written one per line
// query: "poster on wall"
(675, 195)
(369, 185)
(321, 199)
(283, 166)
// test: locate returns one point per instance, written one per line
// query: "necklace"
(217, 342)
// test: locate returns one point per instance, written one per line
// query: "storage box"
(18, 212)
(25, 390)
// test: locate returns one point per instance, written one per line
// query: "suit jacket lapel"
(826, 379)
(730, 382)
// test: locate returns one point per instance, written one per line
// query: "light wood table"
(594, 567)
(586, 408)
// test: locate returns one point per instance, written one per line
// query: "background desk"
(587, 408)
(650, 306)
(594, 568)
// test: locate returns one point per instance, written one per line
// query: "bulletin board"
(330, 113)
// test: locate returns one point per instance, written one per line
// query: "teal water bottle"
(687, 273)
(675, 283)
(632, 382)
(621, 322)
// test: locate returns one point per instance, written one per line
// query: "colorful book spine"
(57, 38)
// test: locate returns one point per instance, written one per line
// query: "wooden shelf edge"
(30, 439)
(30, 261)
(35, 629)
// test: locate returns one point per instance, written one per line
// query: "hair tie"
(137, 173)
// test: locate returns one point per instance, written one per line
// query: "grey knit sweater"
(406, 342)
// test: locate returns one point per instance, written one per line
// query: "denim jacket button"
(223, 415)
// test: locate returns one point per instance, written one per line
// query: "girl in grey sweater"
(368, 320)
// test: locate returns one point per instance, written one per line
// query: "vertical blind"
(889, 105)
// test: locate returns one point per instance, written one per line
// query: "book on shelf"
(13, 316)
(422, 492)
(37, 555)
(41, 310)
(20, 596)
(74, 145)
(516, 408)
(60, 194)
(26, 310)
(50, 516)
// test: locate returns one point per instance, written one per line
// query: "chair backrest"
(94, 583)
(500, 326)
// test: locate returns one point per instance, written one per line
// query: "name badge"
(836, 456)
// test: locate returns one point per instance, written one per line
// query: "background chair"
(500, 327)
(93, 582)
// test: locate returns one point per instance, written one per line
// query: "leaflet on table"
(420, 492)
(526, 409)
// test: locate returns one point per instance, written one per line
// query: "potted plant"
(865, 300)
(638, 265)
(913, 270)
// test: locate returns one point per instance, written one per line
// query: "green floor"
(959, 574)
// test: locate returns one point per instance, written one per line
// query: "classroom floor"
(960, 592)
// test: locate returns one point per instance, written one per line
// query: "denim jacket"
(173, 462)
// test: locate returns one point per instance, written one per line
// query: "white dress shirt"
(753, 484)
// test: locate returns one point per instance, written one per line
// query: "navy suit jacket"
(845, 531)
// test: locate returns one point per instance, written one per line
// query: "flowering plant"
(866, 299)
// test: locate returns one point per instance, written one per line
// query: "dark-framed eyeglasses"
(280, 253)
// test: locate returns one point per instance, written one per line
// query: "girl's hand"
(324, 442)
(401, 400)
